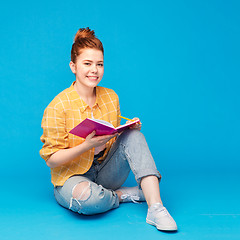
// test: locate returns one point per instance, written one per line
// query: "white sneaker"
(131, 194)
(159, 217)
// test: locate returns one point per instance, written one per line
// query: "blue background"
(174, 64)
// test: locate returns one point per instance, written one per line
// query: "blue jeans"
(129, 152)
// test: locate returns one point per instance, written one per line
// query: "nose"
(94, 68)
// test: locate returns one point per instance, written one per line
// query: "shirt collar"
(79, 101)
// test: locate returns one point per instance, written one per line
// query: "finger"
(136, 126)
(104, 137)
(135, 118)
(91, 135)
(111, 136)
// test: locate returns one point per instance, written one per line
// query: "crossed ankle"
(130, 194)
(119, 194)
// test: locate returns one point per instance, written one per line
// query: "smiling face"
(88, 68)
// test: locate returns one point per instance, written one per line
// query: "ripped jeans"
(129, 152)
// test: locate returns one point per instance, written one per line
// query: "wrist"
(86, 146)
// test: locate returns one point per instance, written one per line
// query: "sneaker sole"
(161, 228)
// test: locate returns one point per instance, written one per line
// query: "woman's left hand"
(136, 125)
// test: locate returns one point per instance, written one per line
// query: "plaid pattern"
(65, 112)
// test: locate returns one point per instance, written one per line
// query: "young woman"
(87, 174)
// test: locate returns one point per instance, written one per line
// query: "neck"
(86, 93)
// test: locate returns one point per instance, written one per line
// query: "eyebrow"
(91, 60)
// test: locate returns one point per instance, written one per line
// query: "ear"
(72, 66)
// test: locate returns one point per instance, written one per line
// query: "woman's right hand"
(96, 141)
(64, 156)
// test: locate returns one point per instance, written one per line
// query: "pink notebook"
(101, 127)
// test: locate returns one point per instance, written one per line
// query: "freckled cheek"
(102, 72)
(101, 77)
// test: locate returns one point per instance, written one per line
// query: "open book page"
(110, 125)
(127, 124)
(103, 122)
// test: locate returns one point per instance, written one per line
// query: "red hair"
(85, 38)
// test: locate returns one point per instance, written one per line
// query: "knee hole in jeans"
(81, 191)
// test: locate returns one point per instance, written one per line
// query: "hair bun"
(84, 33)
(84, 38)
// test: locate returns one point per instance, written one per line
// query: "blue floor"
(204, 206)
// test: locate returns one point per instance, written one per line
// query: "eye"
(100, 64)
(87, 64)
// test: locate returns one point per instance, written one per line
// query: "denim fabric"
(129, 152)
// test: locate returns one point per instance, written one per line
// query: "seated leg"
(86, 197)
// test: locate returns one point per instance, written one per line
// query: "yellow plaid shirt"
(65, 112)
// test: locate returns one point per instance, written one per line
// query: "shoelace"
(162, 209)
(129, 197)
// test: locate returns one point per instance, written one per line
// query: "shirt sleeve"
(55, 136)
